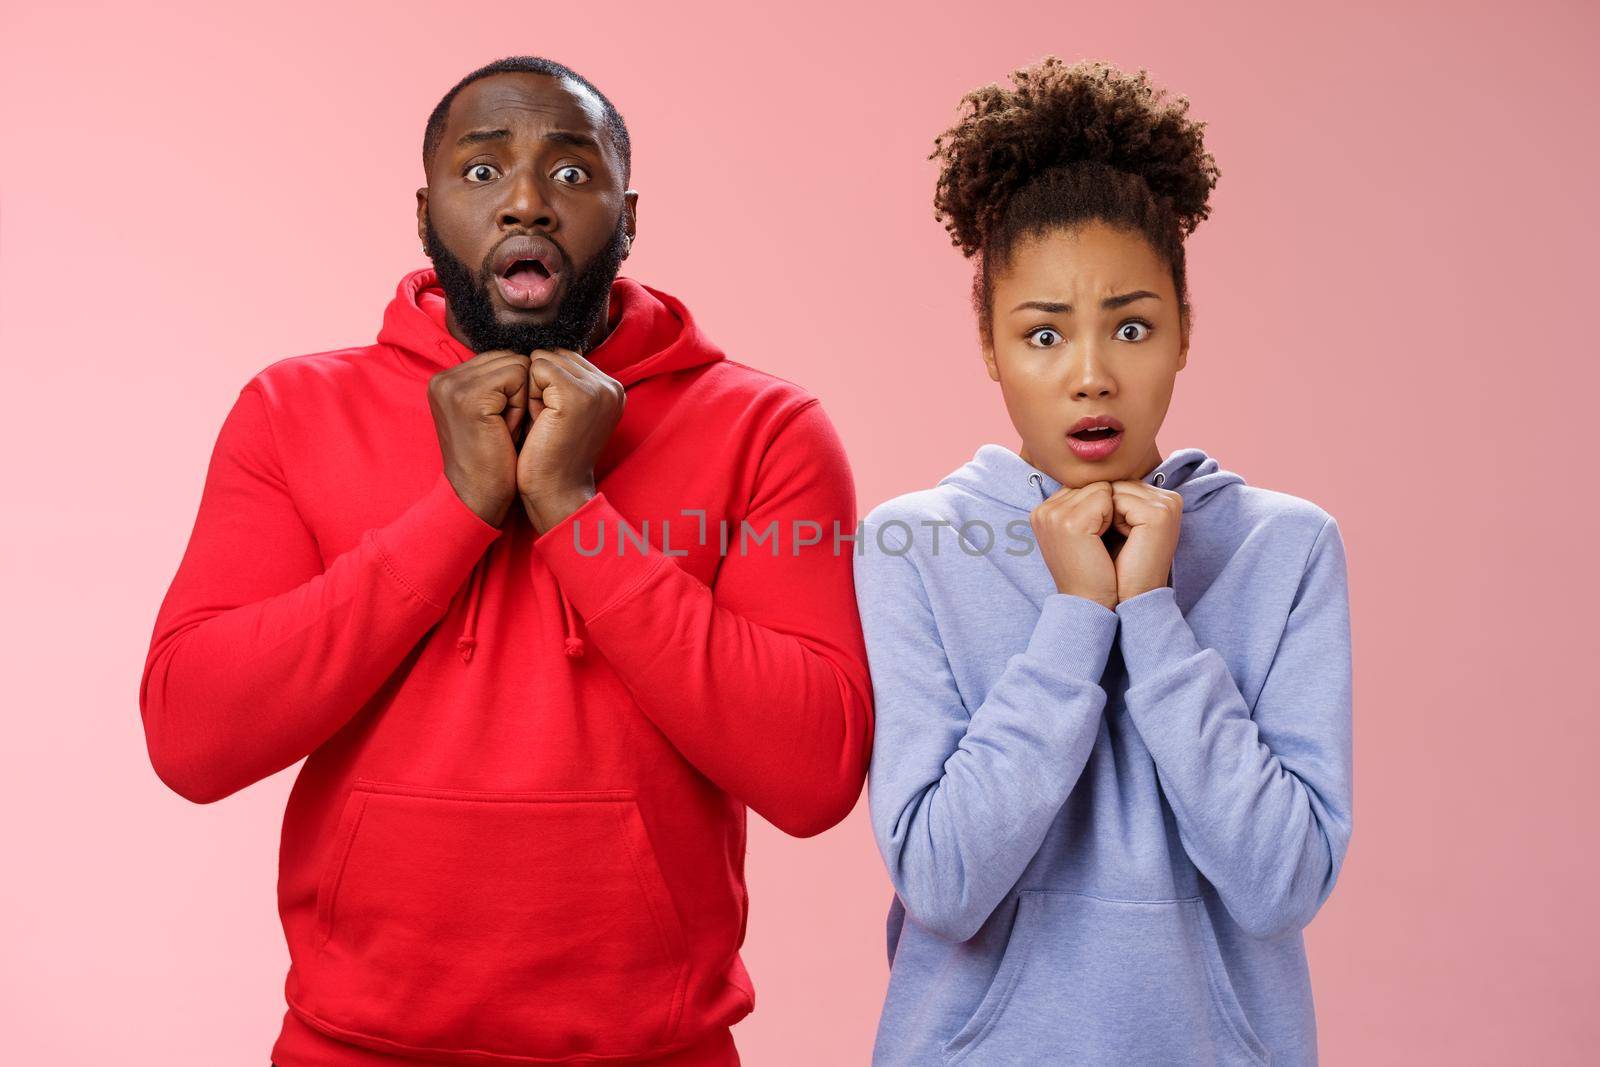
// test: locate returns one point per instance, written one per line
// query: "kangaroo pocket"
(535, 925)
(1091, 981)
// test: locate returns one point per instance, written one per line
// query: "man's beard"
(466, 292)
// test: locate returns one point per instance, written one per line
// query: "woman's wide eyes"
(482, 172)
(1050, 337)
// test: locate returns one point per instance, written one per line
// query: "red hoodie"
(519, 836)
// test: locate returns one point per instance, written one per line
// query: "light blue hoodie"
(1105, 829)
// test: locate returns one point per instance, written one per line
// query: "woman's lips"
(1094, 449)
(525, 287)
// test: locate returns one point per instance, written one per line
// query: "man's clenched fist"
(575, 406)
(477, 408)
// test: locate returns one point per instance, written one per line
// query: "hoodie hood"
(651, 333)
(1000, 474)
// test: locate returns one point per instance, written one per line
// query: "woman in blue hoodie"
(1111, 774)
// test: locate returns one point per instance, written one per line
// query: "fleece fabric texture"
(1105, 829)
(519, 832)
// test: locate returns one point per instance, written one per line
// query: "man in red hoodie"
(531, 732)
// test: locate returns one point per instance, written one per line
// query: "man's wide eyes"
(571, 174)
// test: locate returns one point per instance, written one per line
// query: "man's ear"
(630, 205)
(422, 216)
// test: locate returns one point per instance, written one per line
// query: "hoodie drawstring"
(469, 628)
(571, 643)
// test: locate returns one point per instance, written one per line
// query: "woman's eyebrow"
(1128, 298)
(1054, 308)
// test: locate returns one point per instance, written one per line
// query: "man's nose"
(525, 204)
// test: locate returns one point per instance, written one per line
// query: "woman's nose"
(1087, 372)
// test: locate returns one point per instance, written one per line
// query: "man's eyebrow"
(572, 137)
(479, 136)
(1054, 308)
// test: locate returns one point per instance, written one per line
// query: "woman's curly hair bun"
(1057, 115)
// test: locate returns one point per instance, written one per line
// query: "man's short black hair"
(528, 65)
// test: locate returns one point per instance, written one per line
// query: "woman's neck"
(1151, 462)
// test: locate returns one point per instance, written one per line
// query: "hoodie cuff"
(1073, 636)
(595, 565)
(434, 544)
(1155, 635)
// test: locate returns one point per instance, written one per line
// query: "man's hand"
(1149, 518)
(477, 407)
(575, 406)
(1067, 526)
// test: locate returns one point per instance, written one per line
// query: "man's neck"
(602, 328)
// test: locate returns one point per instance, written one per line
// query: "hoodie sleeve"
(961, 800)
(1261, 795)
(259, 654)
(760, 681)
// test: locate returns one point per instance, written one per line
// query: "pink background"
(1395, 318)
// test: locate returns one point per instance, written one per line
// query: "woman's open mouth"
(1095, 438)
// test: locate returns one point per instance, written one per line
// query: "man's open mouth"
(528, 271)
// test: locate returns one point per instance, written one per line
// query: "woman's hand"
(1068, 526)
(1149, 518)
